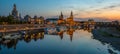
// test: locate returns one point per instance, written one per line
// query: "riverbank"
(19, 27)
(107, 36)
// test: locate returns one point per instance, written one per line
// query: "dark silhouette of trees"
(6, 20)
(10, 20)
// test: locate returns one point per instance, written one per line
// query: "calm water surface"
(69, 42)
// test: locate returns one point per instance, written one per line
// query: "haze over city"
(83, 9)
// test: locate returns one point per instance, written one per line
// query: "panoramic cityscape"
(59, 27)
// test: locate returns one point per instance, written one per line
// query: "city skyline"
(97, 9)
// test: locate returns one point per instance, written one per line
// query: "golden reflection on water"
(29, 37)
(82, 33)
(77, 33)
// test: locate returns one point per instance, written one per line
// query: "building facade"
(61, 19)
(70, 20)
(34, 20)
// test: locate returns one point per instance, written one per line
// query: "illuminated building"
(61, 20)
(70, 20)
(35, 20)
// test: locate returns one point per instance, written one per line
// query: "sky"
(83, 9)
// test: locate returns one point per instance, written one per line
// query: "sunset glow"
(103, 9)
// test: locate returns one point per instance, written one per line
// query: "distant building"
(52, 21)
(70, 19)
(115, 22)
(27, 18)
(35, 20)
(91, 22)
(31, 21)
(15, 13)
(61, 20)
(39, 20)
(20, 18)
(61, 16)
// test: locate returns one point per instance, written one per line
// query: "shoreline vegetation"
(110, 32)
(108, 35)
(10, 20)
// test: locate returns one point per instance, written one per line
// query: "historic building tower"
(71, 16)
(70, 20)
(15, 12)
(61, 16)
(61, 20)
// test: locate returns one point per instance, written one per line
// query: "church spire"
(71, 13)
(15, 12)
(14, 6)
(61, 13)
(61, 16)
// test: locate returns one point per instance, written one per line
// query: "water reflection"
(11, 43)
(71, 30)
(78, 37)
(35, 36)
(63, 29)
(101, 35)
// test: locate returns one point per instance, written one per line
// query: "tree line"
(10, 20)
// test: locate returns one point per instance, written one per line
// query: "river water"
(78, 41)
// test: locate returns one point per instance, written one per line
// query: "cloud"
(111, 6)
(97, 19)
(100, 10)
(100, 1)
(76, 14)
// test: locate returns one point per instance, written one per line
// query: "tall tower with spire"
(15, 12)
(61, 16)
(71, 15)
(14, 7)
(70, 20)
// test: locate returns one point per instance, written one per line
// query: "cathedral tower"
(15, 12)
(61, 16)
(71, 15)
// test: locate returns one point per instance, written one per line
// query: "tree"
(10, 19)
